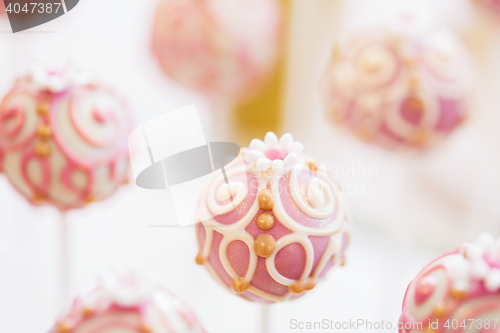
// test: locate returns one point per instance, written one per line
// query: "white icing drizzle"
(322, 202)
(320, 197)
(223, 193)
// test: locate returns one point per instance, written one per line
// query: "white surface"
(112, 37)
(174, 132)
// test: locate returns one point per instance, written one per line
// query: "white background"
(414, 208)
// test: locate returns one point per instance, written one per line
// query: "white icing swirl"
(320, 202)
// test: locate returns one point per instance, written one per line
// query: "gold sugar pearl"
(87, 312)
(458, 294)
(38, 197)
(42, 108)
(419, 138)
(64, 327)
(416, 105)
(342, 261)
(439, 311)
(89, 199)
(44, 131)
(264, 245)
(143, 328)
(297, 287)
(265, 221)
(414, 83)
(364, 134)
(200, 260)
(266, 200)
(310, 283)
(311, 165)
(239, 285)
(42, 149)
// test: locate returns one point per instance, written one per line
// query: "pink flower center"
(276, 153)
(99, 116)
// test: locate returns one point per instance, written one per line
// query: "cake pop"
(127, 304)
(459, 290)
(406, 84)
(220, 47)
(490, 5)
(63, 138)
(289, 223)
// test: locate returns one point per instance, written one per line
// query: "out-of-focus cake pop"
(128, 305)
(63, 138)
(220, 47)
(458, 291)
(405, 84)
(288, 226)
(490, 5)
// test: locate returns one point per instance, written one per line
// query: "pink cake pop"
(490, 5)
(226, 47)
(403, 85)
(63, 139)
(289, 226)
(128, 305)
(457, 292)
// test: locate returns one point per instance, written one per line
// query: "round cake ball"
(128, 305)
(489, 5)
(286, 226)
(457, 289)
(221, 47)
(63, 138)
(405, 84)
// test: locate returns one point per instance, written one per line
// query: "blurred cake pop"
(405, 84)
(489, 5)
(458, 291)
(128, 305)
(63, 138)
(289, 225)
(220, 47)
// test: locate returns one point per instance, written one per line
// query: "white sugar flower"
(125, 288)
(273, 153)
(57, 81)
(477, 263)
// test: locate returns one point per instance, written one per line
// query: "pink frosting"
(290, 261)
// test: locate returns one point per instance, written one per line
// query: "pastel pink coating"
(220, 47)
(310, 229)
(461, 286)
(63, 143)
(405, 84)
(153, 310)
